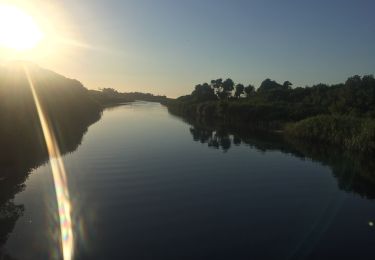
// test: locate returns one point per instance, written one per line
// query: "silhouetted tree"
(204, 92)
(268, 85)
(353, 82)
(226, 89)
(216, 84)
(287, 85)
(109, 91)
(249, 90)
(239, 90)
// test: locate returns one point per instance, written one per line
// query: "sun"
(18, 30)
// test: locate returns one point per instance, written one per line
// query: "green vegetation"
(341, 114)
(349, 132)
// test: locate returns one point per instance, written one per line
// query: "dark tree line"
(355, 97)
(220, 89)
(110, 96)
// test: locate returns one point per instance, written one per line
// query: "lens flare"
(59, 176)
(18, 30)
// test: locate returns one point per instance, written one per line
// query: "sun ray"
(59, 177)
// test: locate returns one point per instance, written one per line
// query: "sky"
(168, 46)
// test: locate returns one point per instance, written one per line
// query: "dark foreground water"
(147, 185)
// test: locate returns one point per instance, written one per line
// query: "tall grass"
(349, 132)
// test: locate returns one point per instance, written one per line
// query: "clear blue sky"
(168, 46)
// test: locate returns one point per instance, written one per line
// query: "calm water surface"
(142, 188)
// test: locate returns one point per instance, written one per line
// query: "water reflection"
(354, 172)
(224, 201)
(18, 159)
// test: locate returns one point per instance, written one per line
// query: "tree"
(203, 92)
(239, 90)
(216, 84)
(226, 89)
(249, 90)
(109, 91)
(268, 85)
(287, 85)
(353, 82)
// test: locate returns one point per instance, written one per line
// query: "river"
(148, 185)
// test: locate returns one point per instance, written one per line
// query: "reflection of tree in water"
(9, 214)
(353, 172)
(214, 138)
(15, 166)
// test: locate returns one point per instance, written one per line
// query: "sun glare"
(18, 30)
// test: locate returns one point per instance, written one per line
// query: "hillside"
(65, 101)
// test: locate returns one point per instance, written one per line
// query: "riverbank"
(348, 132)
(341, 114)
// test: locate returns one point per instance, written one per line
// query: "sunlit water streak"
(59, 177)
